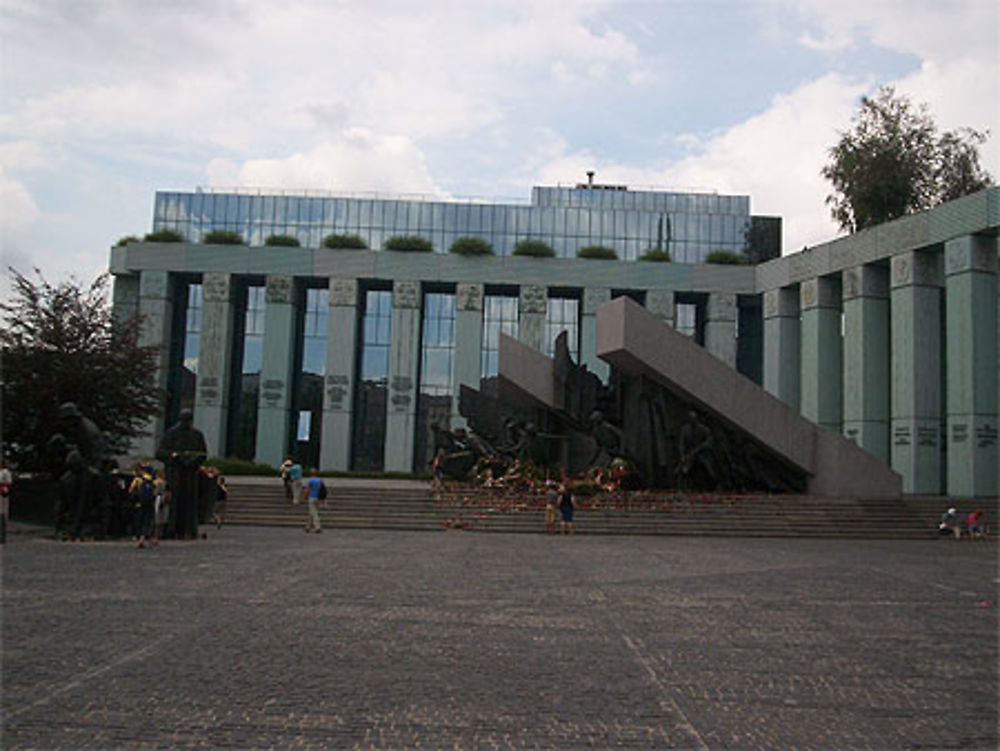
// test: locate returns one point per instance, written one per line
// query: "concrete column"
(404, 359)
(125, 296)
(915, 309)
(782, 342)
(211, 409)
(971, 352)
(822, 352)
(156, 306)
(593, 298)
(341, 366)
(866, 358)
(531, 310)
(277, 371)
(720, 327)
(468, 344)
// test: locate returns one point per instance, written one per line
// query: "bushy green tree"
(725, 257)
(61, 343)
(164, 236)
(286, 241)
(222, 237)
(656, 255)
(893, 162)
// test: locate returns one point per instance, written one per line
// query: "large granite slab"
(631, 338)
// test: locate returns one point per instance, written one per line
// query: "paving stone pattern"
(269, 638)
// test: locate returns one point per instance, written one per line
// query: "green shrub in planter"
(349, 242)
(286, 241)
(597, 251)
(222, 237)
(123, 241)
(471, 246)
(164, 236)
(656, 254)
(533, 249)
(725, 257)
(409, 244)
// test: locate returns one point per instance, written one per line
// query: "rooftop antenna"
(590, 178)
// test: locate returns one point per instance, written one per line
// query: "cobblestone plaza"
(268, 638)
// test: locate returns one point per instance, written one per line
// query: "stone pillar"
(915, 308)
(341, 366)
(125, 296)
(593, 298)
(404, 359)
(821, 352)
(971, 354)
(468, 344)
(531, 310)
(782, 341)
(866, 358)
(277, 371)
(156, 306)
(215, 352)
(720, 327)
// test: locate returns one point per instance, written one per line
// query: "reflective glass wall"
(631, 222)
(307, 410)
(563, 314)
(437, 358)
(185, 346)
(500, 314)
(246, 385)
(371, 398)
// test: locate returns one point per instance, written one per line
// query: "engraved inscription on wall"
(337, 388)
(273, 392)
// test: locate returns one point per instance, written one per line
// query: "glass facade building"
(688, 225)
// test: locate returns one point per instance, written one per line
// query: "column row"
(902, 357)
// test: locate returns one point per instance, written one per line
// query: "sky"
(104, 102)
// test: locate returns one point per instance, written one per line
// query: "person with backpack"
(315, 493)
(143, 493)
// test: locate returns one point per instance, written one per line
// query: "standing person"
(315, 492)
(143, 491)
(285, 479)
(183, 450)
(295, 478)
(6, 481)
(567, 505)
(551, 504)
(162, 504)
(221, 501)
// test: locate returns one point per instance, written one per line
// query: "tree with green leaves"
(893, 162)
(61, 343)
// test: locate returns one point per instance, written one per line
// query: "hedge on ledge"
(222, 237)
(598, 251)
(471, 246)
(409, 244)
(657, 255)
(725, 257)
(348, 242)
(533, 249)
(286, 241)
(164, 236)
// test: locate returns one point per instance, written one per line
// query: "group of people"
(952, 525)
(313, 491)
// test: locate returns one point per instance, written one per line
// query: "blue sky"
(106, 101)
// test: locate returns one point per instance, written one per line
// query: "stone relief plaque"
(852, 283)
(810, 293)
(344, 292)
(215, 286)
(771, 303)
(534, 299)
(279, 289)
(469, 296)
(595, 297)
(406, 295)
(902, 270)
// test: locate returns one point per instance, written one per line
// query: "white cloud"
(356, 160)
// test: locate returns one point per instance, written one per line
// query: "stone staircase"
(411, 505)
